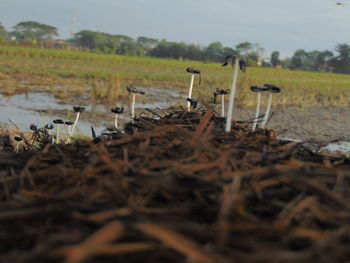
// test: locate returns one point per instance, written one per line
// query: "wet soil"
(322, 124)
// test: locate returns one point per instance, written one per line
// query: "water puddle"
(42, 108)
(341, 147)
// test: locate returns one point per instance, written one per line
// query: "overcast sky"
(283, 25)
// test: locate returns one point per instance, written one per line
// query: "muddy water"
(42, 108)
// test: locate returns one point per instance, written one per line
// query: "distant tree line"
(324, 61)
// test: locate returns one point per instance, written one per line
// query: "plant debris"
(175, 188)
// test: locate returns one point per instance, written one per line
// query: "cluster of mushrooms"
(236, 62)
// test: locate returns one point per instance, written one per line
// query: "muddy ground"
(322, 124)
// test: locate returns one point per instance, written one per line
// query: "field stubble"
(104, 77)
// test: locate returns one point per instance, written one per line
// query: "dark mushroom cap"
(232, 59)
(193, 102)
(221, 92)
(134, 90)
(79, 109)
(69, 123)
(273, 88)
(17, 138)
(193, 71)
(258, 88)
(58, 121)
(33, 127)
(49, 126)
(117, 110)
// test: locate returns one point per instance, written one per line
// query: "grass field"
(103, 77)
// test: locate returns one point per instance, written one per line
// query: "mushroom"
(35, 130)
(18, 140)
(116, 111)
(49, 127)
(222, 93)
(68, 125)
(58, 122)
(272, 89)
(193, 72)
(78, 110)
(134, 91)
(236, 63)
(257, 89)
(193, 103)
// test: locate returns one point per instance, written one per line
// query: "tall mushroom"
(68, 125)
(58, 122)
(116, 111)
(78, 110)
(134, 91)
(258, 90)
(221, 92)
(272, 89)
(193, 72)
(236, 63)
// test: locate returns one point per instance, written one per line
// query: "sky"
(282, 25)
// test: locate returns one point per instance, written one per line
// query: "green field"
(71, 73)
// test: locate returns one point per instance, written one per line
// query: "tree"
(275, 58)
(244, 48)
(298, 60)
(147, 43)
(31, 30)
(323, 60)
(3, 32)
(194, 52)
(341, 63)
(214, 52)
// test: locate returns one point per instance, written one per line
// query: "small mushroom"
(193, 72)
(33, 127)
(258, 90)
(134, 91)
(193, 103)
(18, 140)
(221, 92)
(116, 111)
(272, 89)
(58, 122)
(68, 125)
(78, 110)
(237, 63)
(49, 127)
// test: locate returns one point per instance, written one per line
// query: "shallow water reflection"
(42, 108)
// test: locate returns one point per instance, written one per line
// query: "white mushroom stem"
(17, 147)
(257, 112)
(222, 105)
(190, 93)
(75, 124)
(232, 97)
(267, 113)
(68, 133)
(133, 106)
(116, 121)
(58, 134)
